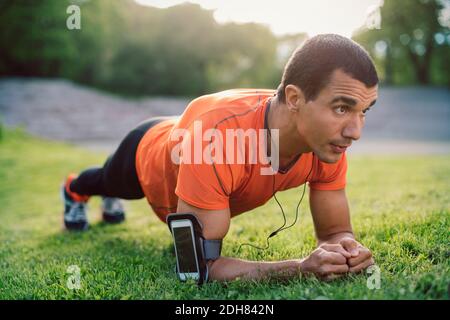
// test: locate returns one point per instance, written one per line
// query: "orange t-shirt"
(236, 182)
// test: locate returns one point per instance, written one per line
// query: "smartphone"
(185, 249)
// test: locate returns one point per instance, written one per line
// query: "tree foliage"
(132, 49)
(413, 43)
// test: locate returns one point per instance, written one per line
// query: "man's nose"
(353, 128)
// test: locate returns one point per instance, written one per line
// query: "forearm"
(331, 215)
(226, 269)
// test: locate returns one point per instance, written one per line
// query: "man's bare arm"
(331, 216)
(323, 261)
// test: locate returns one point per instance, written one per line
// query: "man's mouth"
(339, 148)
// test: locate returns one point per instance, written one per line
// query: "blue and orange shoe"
(75, 207)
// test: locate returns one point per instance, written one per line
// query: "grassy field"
(400, 209)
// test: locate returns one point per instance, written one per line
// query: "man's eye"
(365, 111)
(341, 109)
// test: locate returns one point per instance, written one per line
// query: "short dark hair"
(312, 64)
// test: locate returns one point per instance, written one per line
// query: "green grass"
(400, 209)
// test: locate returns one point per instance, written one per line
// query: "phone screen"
(185, 250)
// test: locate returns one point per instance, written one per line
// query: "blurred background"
(85, 72)
(127, 60)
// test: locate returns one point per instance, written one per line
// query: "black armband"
(192, 250)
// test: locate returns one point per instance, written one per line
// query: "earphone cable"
(283, 226)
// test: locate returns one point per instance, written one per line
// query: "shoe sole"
(76, 226)
(113, 218)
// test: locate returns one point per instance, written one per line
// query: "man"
(319, 109)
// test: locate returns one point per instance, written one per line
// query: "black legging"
(118, 177)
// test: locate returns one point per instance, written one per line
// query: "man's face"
(330, 123)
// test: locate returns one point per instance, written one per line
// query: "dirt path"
(62, 110)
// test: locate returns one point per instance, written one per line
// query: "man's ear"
(295, 98)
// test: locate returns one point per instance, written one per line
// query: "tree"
(411, 31)
(133, 49)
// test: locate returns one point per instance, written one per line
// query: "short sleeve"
(202, 183)
(199, 186)
(329, 176)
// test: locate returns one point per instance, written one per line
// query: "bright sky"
(287, 16)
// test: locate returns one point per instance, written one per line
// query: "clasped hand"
(332, 260)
